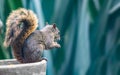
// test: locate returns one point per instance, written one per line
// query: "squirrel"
(28, 43)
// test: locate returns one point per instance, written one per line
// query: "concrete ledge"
(12, 67)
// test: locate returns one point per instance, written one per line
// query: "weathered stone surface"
(12, 67)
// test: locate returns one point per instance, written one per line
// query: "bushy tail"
(20, 24)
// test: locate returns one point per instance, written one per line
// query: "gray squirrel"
(28, 43)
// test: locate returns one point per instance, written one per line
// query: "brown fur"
(16, 36)
(27, 43)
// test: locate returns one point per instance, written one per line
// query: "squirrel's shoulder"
(36, 35)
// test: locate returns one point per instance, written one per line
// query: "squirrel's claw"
(43, 58)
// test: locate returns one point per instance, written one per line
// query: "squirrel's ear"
(54, 25)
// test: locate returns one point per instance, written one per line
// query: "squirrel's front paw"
(58, 46)
(55, 45)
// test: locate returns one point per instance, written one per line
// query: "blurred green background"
(90, 34)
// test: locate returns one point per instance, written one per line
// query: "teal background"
(90, 34)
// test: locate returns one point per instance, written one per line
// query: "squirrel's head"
(53, 30)
(56, 32)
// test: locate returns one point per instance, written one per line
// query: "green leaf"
(14, 4)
